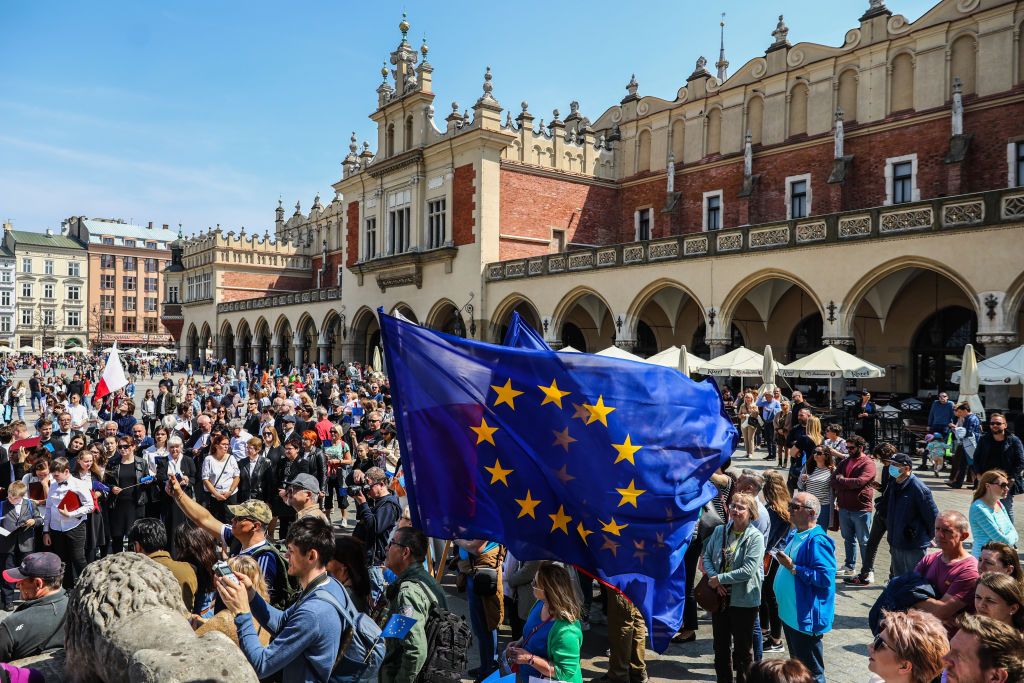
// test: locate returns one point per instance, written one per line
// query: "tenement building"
(865, 195)
(125, 264)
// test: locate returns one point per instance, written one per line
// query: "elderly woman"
(988, 517)
(733, 557)
(552, 636)
(908, 649)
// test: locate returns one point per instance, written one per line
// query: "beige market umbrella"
(615, 352)
(568, 349)
(768, 370)
(741, 362)
(1006, 368)
(26, 349)
(969, 381)
(375, 361)
(676, 357)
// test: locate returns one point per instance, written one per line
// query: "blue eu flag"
(594, 461)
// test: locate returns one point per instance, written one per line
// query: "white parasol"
(1006, 368)
(969, 381)
(616, 352)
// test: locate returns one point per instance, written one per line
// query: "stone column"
(257, 354)
(325, 353)
(349, 351)
(717, 347)
(277, 349)
(240, 354)
(299, 351)
(997, 396)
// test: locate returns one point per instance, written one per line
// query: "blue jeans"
(758, 639)
(904, 561)
(807, 648)
(855, 526)
(825, 516)
(486, 640)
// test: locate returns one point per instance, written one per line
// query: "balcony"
(308, 296)
(396, 270)
(942, 214)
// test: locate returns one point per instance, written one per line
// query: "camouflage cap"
(253, 509)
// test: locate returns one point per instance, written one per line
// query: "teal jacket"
(747, 574)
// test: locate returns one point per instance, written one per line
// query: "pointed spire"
(722, 64)
(403, 26)
(487, 99)
(631, 89)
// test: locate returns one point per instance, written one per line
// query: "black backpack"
(285, 587)
(448, 641)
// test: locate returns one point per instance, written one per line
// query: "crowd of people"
(276, 500)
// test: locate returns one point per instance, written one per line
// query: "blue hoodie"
(306, 636)
(811, 588)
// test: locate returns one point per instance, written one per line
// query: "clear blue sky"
(203, 113)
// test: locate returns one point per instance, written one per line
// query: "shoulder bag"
(706, 596)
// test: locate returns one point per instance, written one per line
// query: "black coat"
(257, 480)
(138, 495)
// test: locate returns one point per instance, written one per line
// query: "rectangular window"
(128, 283)
(341, 270)
(106, 240)
(73, 318)
(5, 323)
(107, 323)
(48, 290)
(106, 302)
(107, 260)
(436, 223)
(371, 238)
(107, 281)
(5, 298)
(172, 294)
(129, 243)
(6, 276)
(559, 239)
(150, 304)
(902, 182)
(26, 265)
(150, 265)
(128, 303)
(48, 317)
(127, 324)
(130, 263)
(798, 199)
(398, 222)
(48, 267)
(643, 225)
(150, 284)
(150, 325)
(74, 293)
(1020, 164)
(26, 290)
(26, 317)
(151, 245)
(74, 269)
(713, 210)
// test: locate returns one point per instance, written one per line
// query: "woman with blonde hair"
(909, 648)
(223, 621)
(776, 500)
(552, 635)
(988, 517)
(748, 415)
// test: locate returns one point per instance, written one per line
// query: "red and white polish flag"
(113, 375)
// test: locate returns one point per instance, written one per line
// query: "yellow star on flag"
(563, 474)
(581, 412)
(560, 520)
(553, 394)
(613, 528)
(506, 395)
(629, 494)
(498, 474)
(598, 412)
(611, 545)
(563, 439)
(626, 450)
(582, 531)
(527, 506)
(484, 432)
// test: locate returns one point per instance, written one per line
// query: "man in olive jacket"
(412, 595)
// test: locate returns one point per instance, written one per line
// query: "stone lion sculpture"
(126, 624)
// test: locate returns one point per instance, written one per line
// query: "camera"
(222, 569)
(357, 488)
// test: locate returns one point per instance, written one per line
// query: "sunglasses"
(794, 506)
(124, 445)
(1001, 484)
(879, 644)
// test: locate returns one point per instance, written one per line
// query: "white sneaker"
(846, 571)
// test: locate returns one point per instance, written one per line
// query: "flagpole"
(439, 568)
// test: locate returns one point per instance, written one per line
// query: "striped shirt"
(818, 485)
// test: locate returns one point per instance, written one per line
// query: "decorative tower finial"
(631, 89)
(403, 26)
(180, 234)
(384, 72)
(353, 147)
(487, 99)
(781, 32)
(424, 48)
(723, 64)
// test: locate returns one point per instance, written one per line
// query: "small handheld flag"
(113, 375)
(398, 626)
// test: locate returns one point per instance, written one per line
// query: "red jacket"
(851, 482)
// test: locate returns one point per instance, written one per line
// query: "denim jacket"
(747, 574)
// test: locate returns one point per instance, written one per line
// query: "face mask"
(894, 471)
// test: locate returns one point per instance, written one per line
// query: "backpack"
(448, 641)
(285, 587)
(362, 647)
